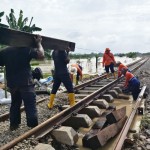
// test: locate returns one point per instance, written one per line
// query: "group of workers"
(132, 84)
(20, 80)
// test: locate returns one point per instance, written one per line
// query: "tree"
(131, 54)
(2, 25)
(21, 23)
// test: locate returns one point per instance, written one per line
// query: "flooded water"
(112, 142)
(89, 65)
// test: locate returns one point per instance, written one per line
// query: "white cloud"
(122, 25)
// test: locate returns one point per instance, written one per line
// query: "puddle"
(111, 144)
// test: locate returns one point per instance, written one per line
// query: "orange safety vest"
(108, 58)
(128, 77)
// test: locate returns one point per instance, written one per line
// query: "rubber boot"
(114, 75)
(107, 76)
(71, 99)
(51, 102)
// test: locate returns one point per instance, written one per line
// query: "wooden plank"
(97, 138)
(116, 115)
(102, 121)
(23, 39)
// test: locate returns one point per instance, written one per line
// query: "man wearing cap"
(108, 62)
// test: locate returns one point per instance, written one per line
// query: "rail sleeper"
(96, 138)
(80, 120)
(91, 111)
(66, 135)
(108, 98)
(101, 103)
(42, 146)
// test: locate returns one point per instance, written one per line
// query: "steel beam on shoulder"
(16, 38)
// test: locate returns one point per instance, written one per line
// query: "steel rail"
(5, 116)
(101, 77)
(127, 125)
(47, 126)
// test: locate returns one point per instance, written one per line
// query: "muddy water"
(111, 144)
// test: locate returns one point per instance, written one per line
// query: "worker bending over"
(120, 67)
(132, 84)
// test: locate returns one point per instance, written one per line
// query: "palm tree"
(2, 25)
(21, 23)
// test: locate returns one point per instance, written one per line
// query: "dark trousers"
(65, 79)
(27, 94)
(78, 74)
(134, 87)
(111, 67)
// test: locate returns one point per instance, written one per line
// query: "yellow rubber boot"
(114, 75)
(71, 99)
(51, 102)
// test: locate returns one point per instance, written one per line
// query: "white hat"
(73, 70)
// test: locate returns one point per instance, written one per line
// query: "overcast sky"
(121, 25)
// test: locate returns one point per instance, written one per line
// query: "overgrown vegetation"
(130, 54)
(2, 25)
(21, 22)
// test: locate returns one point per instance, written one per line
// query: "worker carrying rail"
(132, 84)
(120, 67)
(20, 81)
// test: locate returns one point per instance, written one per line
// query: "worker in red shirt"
(120, 67)
(108, 62)
(132, 84)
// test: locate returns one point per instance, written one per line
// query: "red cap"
(107, 49)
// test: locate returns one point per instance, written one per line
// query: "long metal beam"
(16, 38)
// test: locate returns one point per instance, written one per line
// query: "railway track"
(5, 115)
(87, 94)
